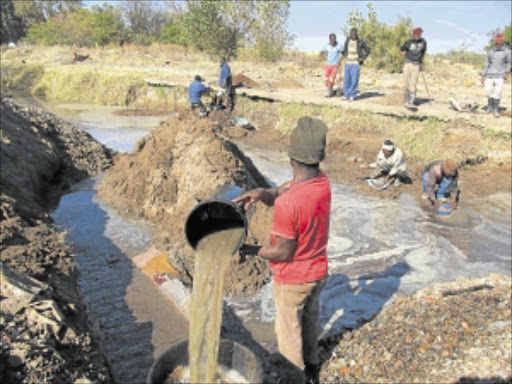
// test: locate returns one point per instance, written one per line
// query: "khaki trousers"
(296, 325)
(411, 75)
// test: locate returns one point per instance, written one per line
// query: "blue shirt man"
(196, 89)
(225, 72)
(195, 92)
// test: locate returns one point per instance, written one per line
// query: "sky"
(447, 25)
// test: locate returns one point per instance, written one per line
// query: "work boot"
(312, 373)
(412, 99)
(328, 92)
(496, 109)
(489, 108)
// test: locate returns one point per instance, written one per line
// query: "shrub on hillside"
(384, 40)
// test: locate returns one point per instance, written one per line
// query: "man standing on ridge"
(415, 49)
(332, 54)
(355, 53)
(298, 249)
(225, 84)
(498, 64)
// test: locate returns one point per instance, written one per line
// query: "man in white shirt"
(390, 163)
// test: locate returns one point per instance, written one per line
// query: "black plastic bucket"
(216, 214)
(232, 355)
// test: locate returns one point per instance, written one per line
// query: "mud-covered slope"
(41, 156)
(182, 162)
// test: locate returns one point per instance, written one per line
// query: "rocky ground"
(45, 333)
(458, 332)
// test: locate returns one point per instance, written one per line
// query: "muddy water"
(379, 249)
(134, 320)
(211, 262)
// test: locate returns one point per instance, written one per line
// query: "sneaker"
(424, 195)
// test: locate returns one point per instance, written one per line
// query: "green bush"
(83, 28)
(384, 40)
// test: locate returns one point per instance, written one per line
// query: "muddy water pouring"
(216, 228)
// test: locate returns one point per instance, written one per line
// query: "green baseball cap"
(308, 140)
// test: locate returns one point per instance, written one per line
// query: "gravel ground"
(458, 332)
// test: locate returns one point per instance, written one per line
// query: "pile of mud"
(173, 168)
(249, 83)
(41, 156)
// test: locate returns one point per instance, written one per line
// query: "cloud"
(453, 26)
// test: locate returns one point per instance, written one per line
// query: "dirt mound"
(249, 83)
(41, 156)
(182, 162)
(287, 83)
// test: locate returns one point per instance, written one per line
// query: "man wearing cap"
(298, 247)
(195, 92)
(414, 49)
(443, 175)
(498, 64)
(332, 55)
(390, 163)
(355, 53)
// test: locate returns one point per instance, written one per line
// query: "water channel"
(377, 249)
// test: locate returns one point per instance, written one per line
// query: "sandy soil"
(41, 157)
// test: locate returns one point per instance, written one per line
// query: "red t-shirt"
(302, 213)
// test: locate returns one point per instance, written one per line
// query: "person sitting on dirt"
(226, 90)
(298, 250)
(498, 64)
(195, 92)
(390, 164)
(415, 50)
(443, 175)
(355, 53)
(332, 54)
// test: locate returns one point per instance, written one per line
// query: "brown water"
(213, 255)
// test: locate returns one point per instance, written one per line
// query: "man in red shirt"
(298, 247)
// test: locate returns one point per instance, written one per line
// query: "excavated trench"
(377, 250)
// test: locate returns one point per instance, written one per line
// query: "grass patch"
(19, 77)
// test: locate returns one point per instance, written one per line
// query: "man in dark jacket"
(355, 53)
(498, 64)
(415, 50)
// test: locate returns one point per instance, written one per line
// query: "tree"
(268, 30)
(222, 27)
(81, 28)
(384, 40)
(205, 29)
(145, 19)
(11, 25)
